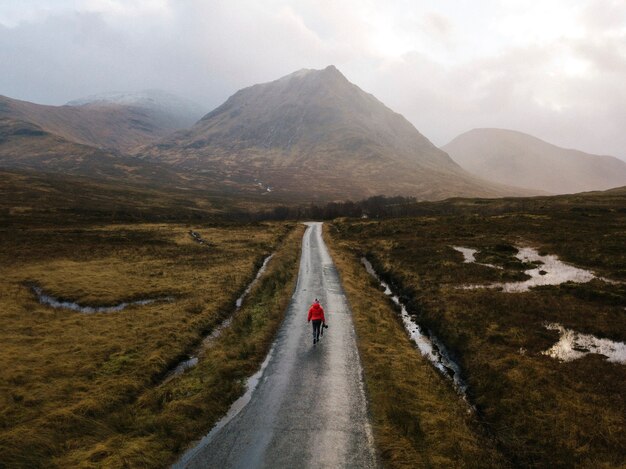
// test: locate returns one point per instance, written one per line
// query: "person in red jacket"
(316, 314)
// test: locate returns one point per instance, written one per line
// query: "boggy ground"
(76, 388)
(541, 412)
(418, 418)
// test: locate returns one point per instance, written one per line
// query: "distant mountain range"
(118, 122)
(309, 136)
(173, 111)
(314, 132)
(26, 146)
(514, 158)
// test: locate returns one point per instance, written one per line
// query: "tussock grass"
(541, 412)
(75, 387)
(419, 419)
(165, 419)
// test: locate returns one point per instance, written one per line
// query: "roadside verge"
(417, 416)
(166, 419)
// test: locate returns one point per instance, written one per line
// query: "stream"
(192, 360)
(429, 346)
(197, 237)
(251, 384)
(57, 303)
(573, 345)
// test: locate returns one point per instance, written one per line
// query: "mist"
(554, 70)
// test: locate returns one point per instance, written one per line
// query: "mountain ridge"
(316, 126)
(102, 124)
(26, 146)
(509, 156)
(175, 112)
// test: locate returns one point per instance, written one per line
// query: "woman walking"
(316, 314)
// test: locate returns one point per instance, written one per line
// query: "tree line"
(374, 207)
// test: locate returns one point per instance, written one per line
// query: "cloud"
(552, 69)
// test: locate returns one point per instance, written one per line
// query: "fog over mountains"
(510, 157)
(26, 146)
(117, 122)
(315, 131)
(309, 136)
(173, 112)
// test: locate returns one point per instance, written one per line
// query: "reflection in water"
(261, 271)
(428, 345)
(235, 408)
(53, 302)
(192, 360)
(469, 256)
(573, 345)
(183, 366)
(548, 270)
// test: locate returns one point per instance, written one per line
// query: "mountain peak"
(312, 73)
(317, 125)
(332, 69)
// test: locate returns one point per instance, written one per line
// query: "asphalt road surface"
(309, 407)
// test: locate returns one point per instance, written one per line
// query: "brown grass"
(542, 413)
(419, 420)
(71, 382)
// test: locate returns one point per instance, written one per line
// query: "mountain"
(26, 146)
(171, 111)
(510, 157)
(313, 132)
(29, 149)
(114, 122)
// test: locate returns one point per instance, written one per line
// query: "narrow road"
(309, 408)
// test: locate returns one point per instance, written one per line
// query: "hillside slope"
(316, 133)
(26, 146)
(510, 157)
(170, 111)
(108, 122)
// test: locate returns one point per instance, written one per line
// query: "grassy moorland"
(34, 199)
(540, 412)
(418, 418)
(83, 389)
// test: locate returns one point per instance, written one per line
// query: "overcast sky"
(552, 68)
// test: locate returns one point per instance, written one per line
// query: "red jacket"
(316, 312)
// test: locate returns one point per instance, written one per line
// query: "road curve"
(309, 408)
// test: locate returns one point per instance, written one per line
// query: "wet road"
(309, 408)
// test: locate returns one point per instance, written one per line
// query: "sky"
(555, 69)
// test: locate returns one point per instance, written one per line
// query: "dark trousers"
(317, 324)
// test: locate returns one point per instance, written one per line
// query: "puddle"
(198, 238)
(193, 359)
(428, 345)
(56, 303)
(551, 271)
(469, 256)
(573, 345)
(235, 408)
